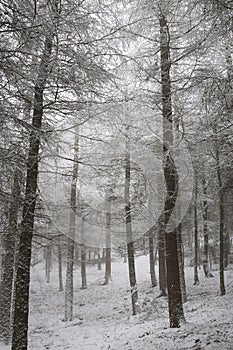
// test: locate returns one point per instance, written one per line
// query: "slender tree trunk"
(181, 263)
(83, 258)
(9, 244)
(206, 265)
(103, 254)
(59, 258)
(196, 279)
(20, 323)
(221, 222)
(99, 260)
(171, 179)
(152, 261)
(69, 292)
(48, 261)
(129, 233)
(108, 245)
(226, 248)
(162, 263)
(144, 245)
(180, 249)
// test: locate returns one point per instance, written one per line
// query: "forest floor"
(102, 313)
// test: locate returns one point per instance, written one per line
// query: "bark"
(103, 254)
(108, 246)
(48, 261)
(226, 248)
(20, 323)
(59, 258)
(221, 222)
(9, 244)
(129, 233)
(181, 263)
(162, 263)
(83, 258)
(171, 179)
(205, 225)
(69, 292)
(99, 260)
(152, 261)
(205, 232)
(180, 249)
(196, 278)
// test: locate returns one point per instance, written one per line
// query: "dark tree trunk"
(196, 246)
(205, 225)
(152, 261)
(171, 179)
(108, 245)
(226, 248)
(206, 264)
(69, 290)
(9, 243)
(144, 245)
(181, 263)
(99, 260)
(20, 323)
(162, 263)
(129, 233)
(221, 222)
(48, 262)
(83, 258)
(103, 254)
(59, 258)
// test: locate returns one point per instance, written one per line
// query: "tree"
(59, 258)
(8, 260)
(196, 245)
(69, 291)
(221, 220)
(83, 255)
(129, 234)
(152, 260)
(109, 198)
(170, 175)
(20, 323)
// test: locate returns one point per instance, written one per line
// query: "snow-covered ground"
(103, 313)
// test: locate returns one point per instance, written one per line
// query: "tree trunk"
(171, 179)
(144, 245)
(226, 248)
(99, 260)
(59, 258)
(196, 279)
(83, 258)
(129, 234)
(205, 232)
(103, 254)
(152, 261)
(162, 263)
(221, 223)
(20, 323)
(9, 243)
(181, 263)
(69, 292)
(108, 245)
(48, 261)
